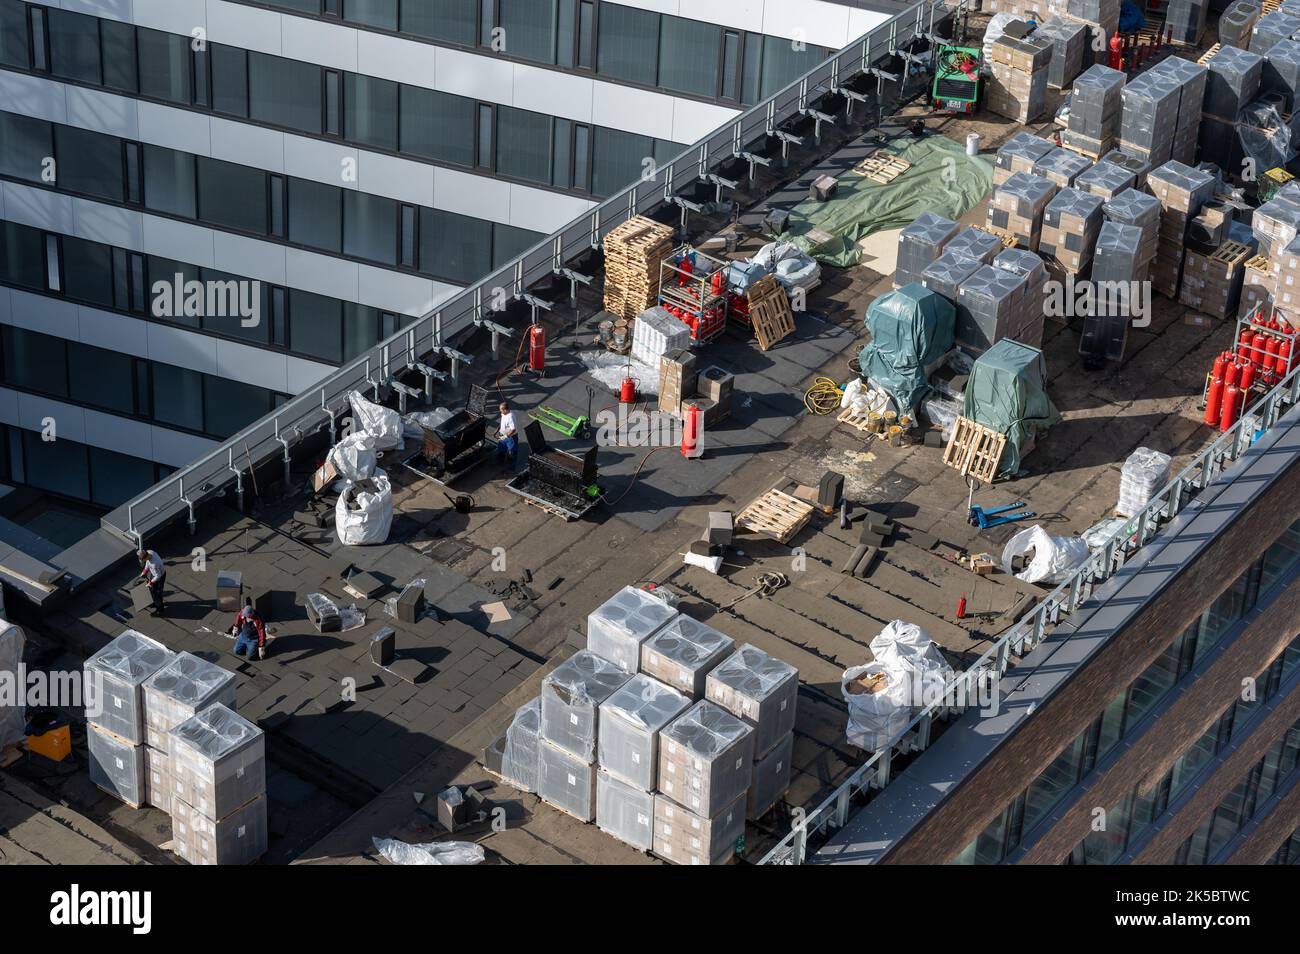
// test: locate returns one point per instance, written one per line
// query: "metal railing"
(1105, 561)
(321, 407)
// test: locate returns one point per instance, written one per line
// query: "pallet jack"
(984, 518)
(558, 421)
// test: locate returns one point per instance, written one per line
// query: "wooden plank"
(974, 450)
(776, 514)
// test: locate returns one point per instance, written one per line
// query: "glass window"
(316, 215)
(285, 92)
(370, 111)
(167, 281)
(202, 91)
(101, 378)
(1103, 847)
(784, 61)
(451, 20)
(751, 69)
(165, 66)
(1223, 612)
(509, 243)
(229, 80)
(1050, 787)
(619, 159)
(564, 37)
(1281, 556)
(116, 478)
(232, 405)
(237, 300)
(730, 65)
(35, 362)
(561, 155)
(39, 60)
(523, 144)
(485, 125)
(360, 329)
(56, 466)
(581, 150)
(370, 227)
(1150, 687)
(178, 397)
(528, 28)
(25, 144)
(437, 125)
(586, 21)
(626, 48)
(376, 13)
(315, 326)
(13, 34)
(22, 256)
(232, 195)
(454, 247)
(118, 42)
(89, 162)
(169, 181)
(74, 46)
(88, 271)
(333, 102)
(688, 56)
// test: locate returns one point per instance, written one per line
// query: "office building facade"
(206, 205)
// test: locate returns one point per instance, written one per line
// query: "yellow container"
(55, 745)
(895, 436)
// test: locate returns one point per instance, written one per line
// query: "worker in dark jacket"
(154, 573)
(249, 631)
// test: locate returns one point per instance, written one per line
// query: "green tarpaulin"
(1007, 392)
(942, 179)
(910, 329)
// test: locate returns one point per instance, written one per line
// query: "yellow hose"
(823, 397)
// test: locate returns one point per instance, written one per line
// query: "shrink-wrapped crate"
(118, 673)
(185, 686)
(566, 781)
(116, 765)
(1144, 474)
(571, 696)
(682, 653)
(617, 628)
(625, 811)
(630, 722)
(919, 244)
(759, 689)
(238, 839)
(706, 757)
(218, 761)
(1018, 154)
(771, 779)
(685, 837)
(13, 717)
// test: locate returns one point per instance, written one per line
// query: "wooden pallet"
(776, 514)
(855, 420)
(1259, 263)
(1002, 235)
(974, 450)
(633, 253)
(882, 167)
(1209, 54)
(1269, 6)
(769, 312)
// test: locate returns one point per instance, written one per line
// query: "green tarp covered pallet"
(911, 328)
(1007, 391)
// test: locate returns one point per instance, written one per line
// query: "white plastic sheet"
(996, 27)
(793, 267)
(364, 516)
(354, 457)
(433, 853)
(381, 423)
(875, 718)
(1054, 557)
(1144, 473)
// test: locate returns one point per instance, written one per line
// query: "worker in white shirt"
(154, 572)
(508, 437)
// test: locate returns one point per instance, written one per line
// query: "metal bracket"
(754, 161)
(720, 183)
(687, 207)
(403, 392)
(239, 477)
(430, 375)
(457, 358)
(818, 118)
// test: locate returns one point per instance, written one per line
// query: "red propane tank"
(1228, 410)
(627, 392)
(691, 437)
(537, 348)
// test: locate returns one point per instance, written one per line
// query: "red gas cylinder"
(717, 282)
(1231, 372)
(687, 270)
(692, 425)
(1270, 358)
(1285, 360)
(1213, 400)
(1116, 52)
(627, 392)
(1247, 381)
(1258, 345)
(1220, 365)
(1243, 345)
(537, 348)
(1231, 405)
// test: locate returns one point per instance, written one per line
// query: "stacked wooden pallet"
(769, 312)
(633, 253)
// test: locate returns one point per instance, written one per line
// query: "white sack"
(908, 652)
(875, 718)
(1054, 557)
(364, 517)
(354, 457)
(381, 423)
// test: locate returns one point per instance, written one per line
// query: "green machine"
(956, 86)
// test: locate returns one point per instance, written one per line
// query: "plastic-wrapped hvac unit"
(1237, 22)
(571, 698)
(522, 739)
(185, 686)
(919, 244)
(945, 274)
(566, 781)
(630, 722)
(218, 761)
(119, 671)
(1143, 475)
(1271, 30)
(974, 243)
(682, 653)
(771, 779)
(617, 628)
(1233, 82)
(625, 811)
(116, 766)
(759, 689)
(706, 757)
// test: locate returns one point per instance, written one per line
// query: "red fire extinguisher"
(627, 391)
(1116, 52)
(537, 348)
(961, 607)
(692, 445)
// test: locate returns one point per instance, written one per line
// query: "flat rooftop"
(344, 771)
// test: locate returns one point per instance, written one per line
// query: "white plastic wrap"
(875, 718)
(363, 516)
(381, 423)
(430, 419)
(115, 679)
(571, 696)
(1099, 534)
(1054, 557)
(434, 853)
(792, 267)
(519, 758)
(354, 457)
(942, 412)
(1143, 475)
(996, 27)
(909, 654)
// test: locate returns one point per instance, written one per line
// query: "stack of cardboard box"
(1233, 81)
(1034, 293)
(990, 307)
(1181, 191)
(1018, 154)
(1017, 205)
(1017, 85)
(1258, 286)
(919, 244)
(1061, 167)
(1071, 222)
(1096, 101)
(1142, 211)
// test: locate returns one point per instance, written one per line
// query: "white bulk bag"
(1054, 557)
(904, 649)
(353, 458)
(381, 423)
(875, 718)
(363, 516)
